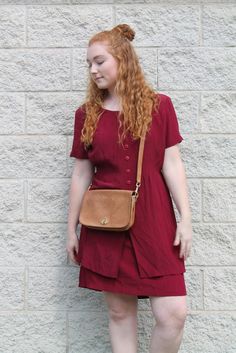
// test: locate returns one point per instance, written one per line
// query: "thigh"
(121, 303)
(167, 307)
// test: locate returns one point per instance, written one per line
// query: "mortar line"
(200, 25)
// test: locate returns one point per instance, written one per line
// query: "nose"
(93, 69)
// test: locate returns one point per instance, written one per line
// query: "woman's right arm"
(81, 179)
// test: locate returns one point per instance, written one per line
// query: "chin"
(100, 85)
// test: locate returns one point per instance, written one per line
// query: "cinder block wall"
(187, 50)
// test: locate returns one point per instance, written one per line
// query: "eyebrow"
(97, 56)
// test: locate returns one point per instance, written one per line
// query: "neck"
(112, 101)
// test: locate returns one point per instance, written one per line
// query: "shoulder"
(80, 114)
(164, 103)
(79, 118)
(80, 110)
(164, 99)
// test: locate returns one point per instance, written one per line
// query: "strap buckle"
(135, 193)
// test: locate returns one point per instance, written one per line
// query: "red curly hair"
(137, 97)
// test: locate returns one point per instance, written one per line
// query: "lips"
(98, 78)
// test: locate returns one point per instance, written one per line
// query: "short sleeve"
(78, 148)
(172, 136)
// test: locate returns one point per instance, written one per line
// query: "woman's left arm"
(174, 174)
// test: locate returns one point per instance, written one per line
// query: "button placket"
(127, 158)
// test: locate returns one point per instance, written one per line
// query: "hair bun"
(126, 31)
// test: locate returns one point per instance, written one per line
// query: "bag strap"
(140, 162)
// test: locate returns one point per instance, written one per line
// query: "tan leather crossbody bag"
(111, 209)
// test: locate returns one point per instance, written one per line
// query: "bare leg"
(122, 322)
(170, 314)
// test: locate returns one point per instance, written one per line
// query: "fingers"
(177, 239)
(184, 242)
(182, 249)
(188, 249)
(72, 255)
(185, 249)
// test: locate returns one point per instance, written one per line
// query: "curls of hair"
(125, 31)
(138, 99)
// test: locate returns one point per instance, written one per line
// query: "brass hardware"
(135, 193)
(104, 220)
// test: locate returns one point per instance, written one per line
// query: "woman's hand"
(72, 247)
(184, 237)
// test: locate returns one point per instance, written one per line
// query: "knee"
(174, 317)
(120, 306)
(119, 314)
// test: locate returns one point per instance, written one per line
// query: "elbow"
(84, 171)
(172, 160)
(172, 168)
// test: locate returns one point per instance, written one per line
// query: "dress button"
(127, 158)
(127, 170)
(128, 182)
(126, 146)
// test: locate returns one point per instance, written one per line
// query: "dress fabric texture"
(140, 261)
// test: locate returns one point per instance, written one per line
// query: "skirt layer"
(129, 281)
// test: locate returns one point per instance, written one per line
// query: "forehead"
(97, 49)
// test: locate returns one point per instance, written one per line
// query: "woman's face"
(102, 66)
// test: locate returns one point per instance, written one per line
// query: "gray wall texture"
(187, 50)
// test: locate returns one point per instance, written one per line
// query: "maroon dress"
(141, 261)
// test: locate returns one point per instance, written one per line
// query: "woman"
(147, 261)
